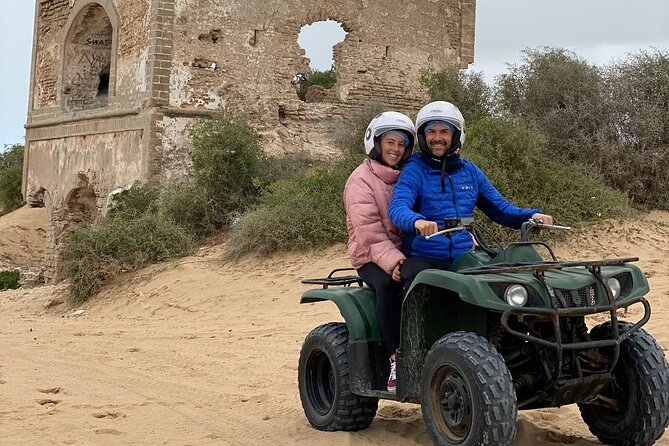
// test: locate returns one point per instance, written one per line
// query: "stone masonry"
(116, 84)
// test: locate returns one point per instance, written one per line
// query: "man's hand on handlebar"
(543, 219)
(425, 228)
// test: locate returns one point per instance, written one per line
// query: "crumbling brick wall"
(243, 56)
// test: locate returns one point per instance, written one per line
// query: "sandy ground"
(22, 237)
(199, 352)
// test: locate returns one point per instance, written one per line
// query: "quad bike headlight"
(615, 287)
(516, 295)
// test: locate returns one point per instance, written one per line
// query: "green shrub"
(9, 280)
(227, 167)
(513, 157)
(326, 79)
(296, 214)
(94, 254)
(562, 94)
(289, 165)
(186, 206)
(466, 90)
(136, 201)
(610, 122)
(11, 174)
(633, 155)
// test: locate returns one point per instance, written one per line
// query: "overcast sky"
(597, 30)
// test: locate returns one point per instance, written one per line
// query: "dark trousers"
(413, 265)
(388, 303)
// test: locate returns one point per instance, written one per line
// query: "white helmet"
(441, 111)
(386, 122)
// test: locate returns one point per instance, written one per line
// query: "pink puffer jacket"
(371, 235)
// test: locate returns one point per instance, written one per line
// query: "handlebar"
(445, 231)
(452, 225)
(534, 223)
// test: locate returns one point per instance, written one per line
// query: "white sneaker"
(392, 379)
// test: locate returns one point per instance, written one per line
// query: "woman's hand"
(397, 276)
(425, 228)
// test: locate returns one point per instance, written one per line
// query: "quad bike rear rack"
(332, 280)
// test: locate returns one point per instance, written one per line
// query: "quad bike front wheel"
(323, 380)
(639, 395)
(467, 393)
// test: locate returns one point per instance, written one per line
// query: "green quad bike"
(502, 330)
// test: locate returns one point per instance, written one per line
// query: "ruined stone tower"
(115, 84)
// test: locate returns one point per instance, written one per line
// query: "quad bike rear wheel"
(323, 379)
(467, 393)
(640, 391)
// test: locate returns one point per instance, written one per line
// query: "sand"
(200, 352)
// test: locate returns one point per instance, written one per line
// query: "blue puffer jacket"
(418, 195)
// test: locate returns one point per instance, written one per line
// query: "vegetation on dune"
(11, 173)
(9, 280)
(147, 225)
(610, 122)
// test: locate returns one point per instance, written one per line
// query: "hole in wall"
(318, 41)
(253, 40)
(204, 64)
(36, 198)
(212, 36)
(103, 86)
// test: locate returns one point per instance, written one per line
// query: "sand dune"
(201, 352)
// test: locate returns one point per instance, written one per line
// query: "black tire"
(465, 371)
(323, 381)
(642, 389)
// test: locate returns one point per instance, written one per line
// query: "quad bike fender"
(356, 304)
(470, 289)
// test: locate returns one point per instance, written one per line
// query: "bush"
(296, 214)
(134, 202)
(226, 166)
(9, 280)
(513, 158)
(326, 79)
(633, 155)
(466, 90)
(94, 254)
(612, 123)
(186, 206)
(559, 92)
(11, 174)
(145, 227)
(289, 165)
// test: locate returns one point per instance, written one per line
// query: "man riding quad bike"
(502, 330)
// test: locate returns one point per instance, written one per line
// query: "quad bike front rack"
(556, 312)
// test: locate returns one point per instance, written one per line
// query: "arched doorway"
(88, 59)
